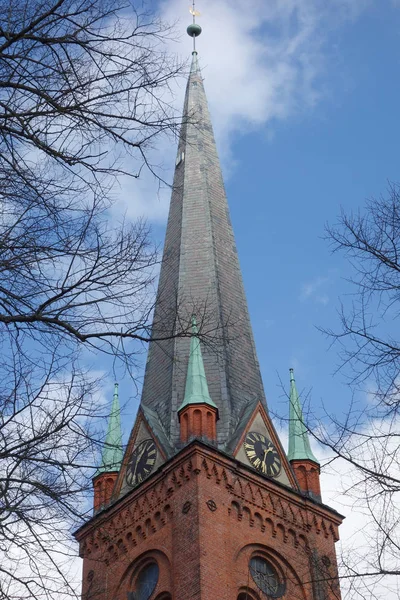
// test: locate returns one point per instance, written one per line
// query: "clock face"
(262, 454)
(141, 462)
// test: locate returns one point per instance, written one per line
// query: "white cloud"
(261, 62)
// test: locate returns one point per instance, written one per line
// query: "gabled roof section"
(147, 426)
(243, 421)
(112, 450)
(157, 429)
(256, 419)
(299, 444)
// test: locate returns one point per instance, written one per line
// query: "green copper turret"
(112, 454)
(196, 389)
(299, 444)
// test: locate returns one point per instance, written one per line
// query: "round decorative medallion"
(211, 505)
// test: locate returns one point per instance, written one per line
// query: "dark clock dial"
(141, 462)
(262, 454)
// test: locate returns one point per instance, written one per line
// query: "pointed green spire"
(196, 389)
(112, 451)
(299, 444)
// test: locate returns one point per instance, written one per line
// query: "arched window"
(266, 577)
(146, 582)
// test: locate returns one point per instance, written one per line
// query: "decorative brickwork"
(202, 516)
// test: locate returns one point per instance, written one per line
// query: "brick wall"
(202, 517)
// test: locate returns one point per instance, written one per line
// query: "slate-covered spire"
(200, 275)
(112, 454)
(196, 388)
(299, 444)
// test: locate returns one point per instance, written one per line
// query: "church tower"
(205, 504)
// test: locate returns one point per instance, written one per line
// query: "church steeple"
(200, 275)
(203, 509)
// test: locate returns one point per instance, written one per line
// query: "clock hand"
(137, 460)
(134, 472)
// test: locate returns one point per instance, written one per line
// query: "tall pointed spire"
(196, 389)
(299, 444)
(112, 450)
(200, 274)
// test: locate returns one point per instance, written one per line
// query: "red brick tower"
(206, 504)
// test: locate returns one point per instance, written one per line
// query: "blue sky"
(304, 97)
(335, 154)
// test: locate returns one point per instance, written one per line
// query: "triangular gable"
(260, 423)
(141, 431)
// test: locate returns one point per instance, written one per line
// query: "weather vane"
(194, 29)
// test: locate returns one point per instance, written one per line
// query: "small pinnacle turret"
(196, 389)
(304, 464)
(112, 451)
(111, 458)
(198, 414)
(299, 444)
